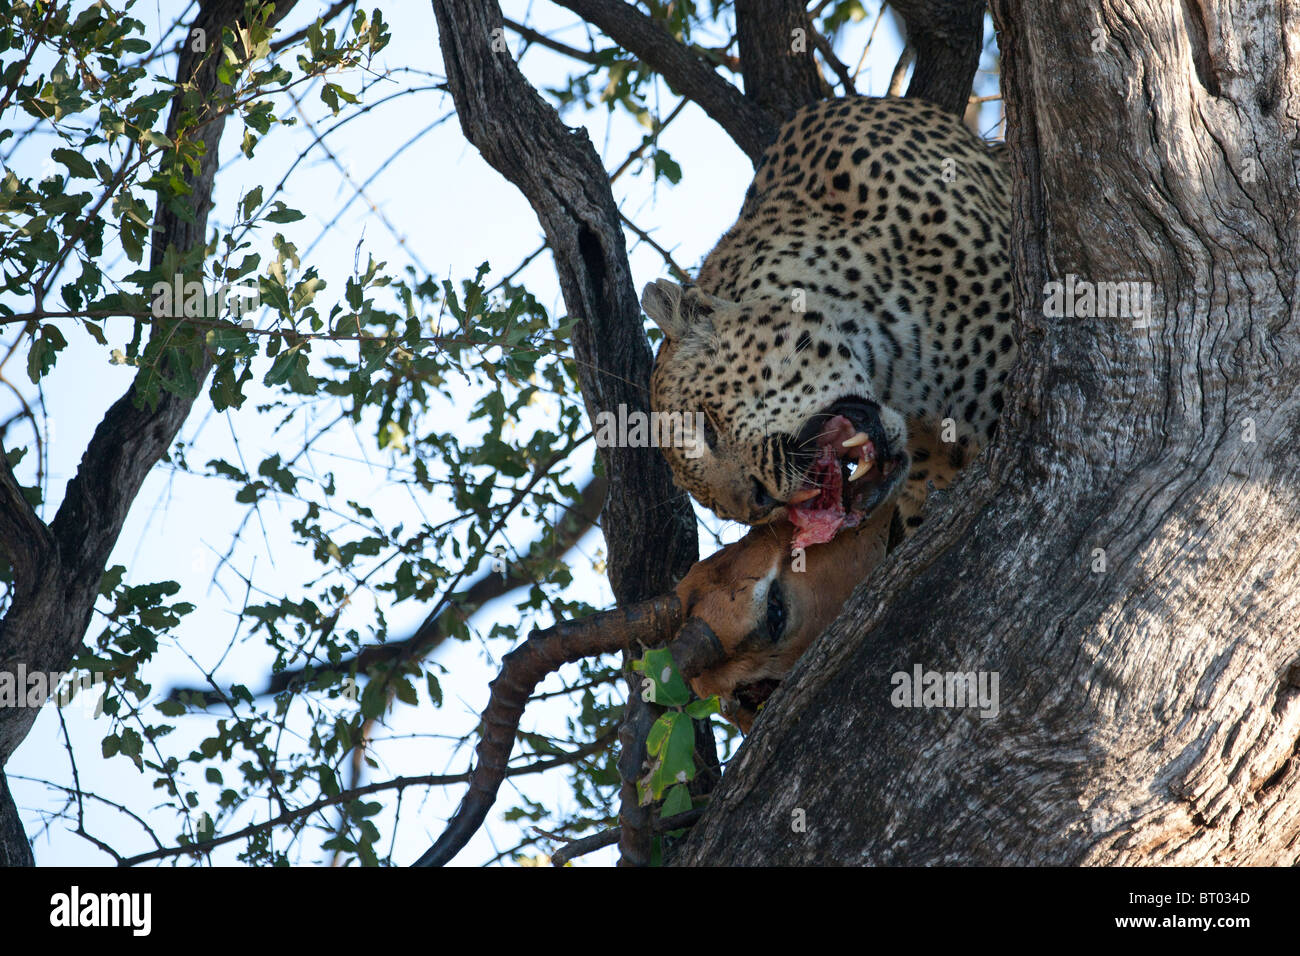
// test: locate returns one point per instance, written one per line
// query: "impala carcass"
(736, 624)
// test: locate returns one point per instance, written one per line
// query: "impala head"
(736, 624)
(767, 602)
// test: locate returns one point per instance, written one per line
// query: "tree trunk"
(1124, 557)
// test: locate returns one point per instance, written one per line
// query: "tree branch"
(947, 37)
(435, 628)
(24, 539)
(347, 796)
(15, 848)
(541, 39)
(776, 40)
(598, 841)
(743, 120)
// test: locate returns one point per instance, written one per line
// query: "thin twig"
(609, 837)
(541, 39)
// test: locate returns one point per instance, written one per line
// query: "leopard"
(846, 344)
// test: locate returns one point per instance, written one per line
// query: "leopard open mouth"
(852, 470)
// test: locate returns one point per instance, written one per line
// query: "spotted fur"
(870, 260)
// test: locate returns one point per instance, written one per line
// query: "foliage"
(384, 354)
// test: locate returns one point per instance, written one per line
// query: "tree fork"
(1123, 555)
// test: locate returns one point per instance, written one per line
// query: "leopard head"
(777, 392)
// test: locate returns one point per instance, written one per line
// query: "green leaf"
(280, 213)
(131, 742)
(666, 167)
(701, 709)
(671, 744)
(111, 580)
(77, 164)
(248, 205)
(329, 781)
(406, 692)
(284, 366)
(677, 801)
(668, 687)
(434, 688)
(155, 138)
(40, 358)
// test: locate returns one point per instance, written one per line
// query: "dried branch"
(599, 841)
(541, 39)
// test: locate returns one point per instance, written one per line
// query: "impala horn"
(696, 648)
(649, 622)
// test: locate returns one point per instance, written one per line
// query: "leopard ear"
(662, 301)
(676, 309)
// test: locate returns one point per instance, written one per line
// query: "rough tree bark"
(1150, 691)
(947, 36)
(776, 41)
(58, 567)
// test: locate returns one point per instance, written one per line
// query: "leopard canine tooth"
(799, 497)
(861, 438)
(861, 468)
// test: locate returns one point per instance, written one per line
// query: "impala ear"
(676, 310)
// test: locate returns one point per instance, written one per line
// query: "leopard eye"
(776, 615)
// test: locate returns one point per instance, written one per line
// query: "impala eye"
(775, 611)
